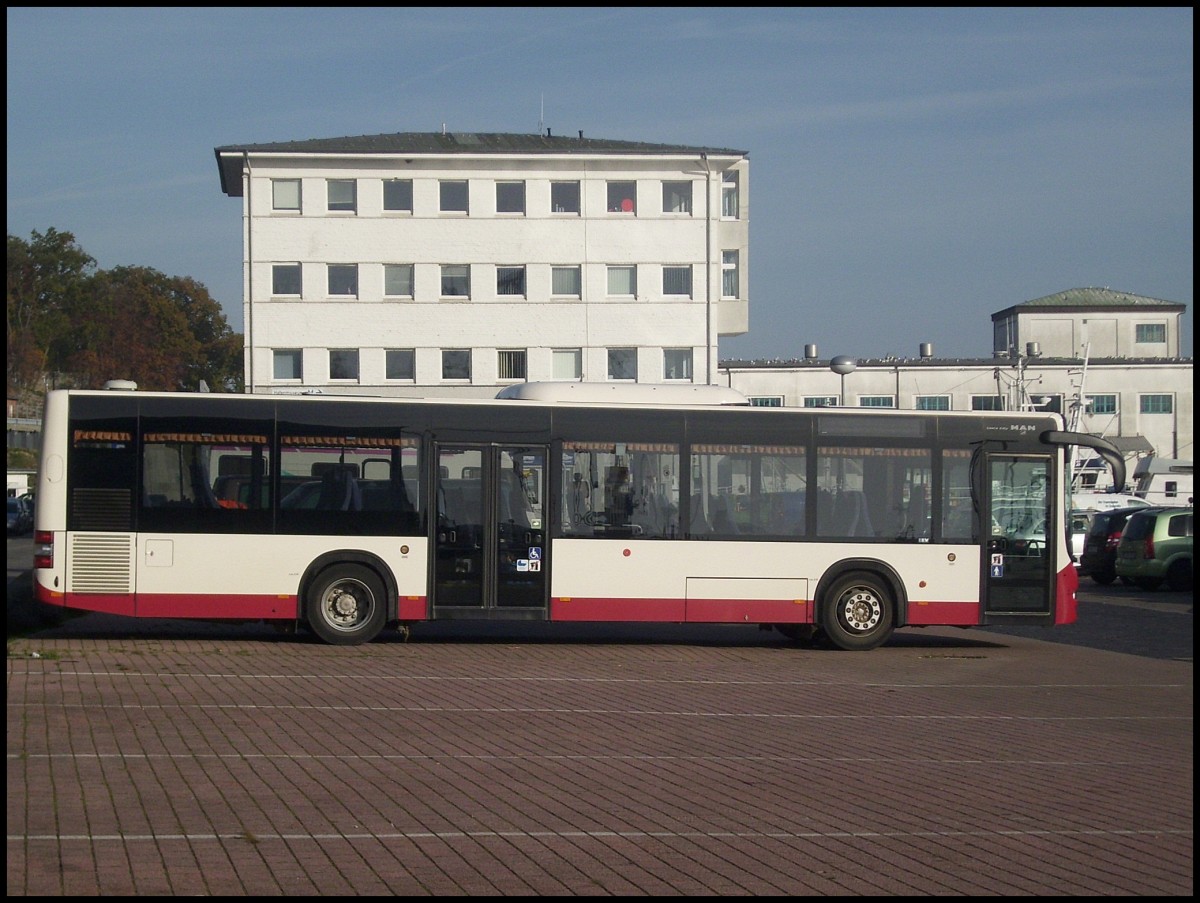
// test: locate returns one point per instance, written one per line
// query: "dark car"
(1099, 558)
(20, 517)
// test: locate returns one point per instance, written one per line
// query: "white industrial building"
(431, 263)
(1107, 361)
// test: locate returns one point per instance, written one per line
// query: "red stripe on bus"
(694, 611)
(1066, 605)
(950, 614)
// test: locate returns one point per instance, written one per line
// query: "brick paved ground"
(158, 758)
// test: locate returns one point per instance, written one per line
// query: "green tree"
(47, 276)
(71, 325)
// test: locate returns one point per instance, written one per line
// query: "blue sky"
(912, 170)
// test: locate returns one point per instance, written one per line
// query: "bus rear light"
(43, 549)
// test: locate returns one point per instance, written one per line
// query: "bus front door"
(1020, 544)
(490, 547)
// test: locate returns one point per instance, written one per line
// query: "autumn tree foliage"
(45, 279)
(70, 324)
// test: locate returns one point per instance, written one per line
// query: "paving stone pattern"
(180, 759)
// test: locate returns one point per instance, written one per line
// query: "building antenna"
(542, 115)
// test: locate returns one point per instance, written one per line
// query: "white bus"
(350, 515)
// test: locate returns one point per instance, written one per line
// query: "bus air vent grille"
(100, 563)
(100, 509)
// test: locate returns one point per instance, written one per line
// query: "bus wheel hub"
(345, 606)
(862, 611)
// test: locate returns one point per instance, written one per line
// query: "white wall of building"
(539, 239)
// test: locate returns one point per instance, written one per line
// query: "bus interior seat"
(849, 515)
(697, 523)
(723, 521)
(918, 514)
(339, 490)
(201, 489)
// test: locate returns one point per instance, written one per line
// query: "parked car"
(1099, 557)
(1156, 546)
(20, 517)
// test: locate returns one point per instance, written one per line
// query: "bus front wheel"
(859, 612)
(345, 605)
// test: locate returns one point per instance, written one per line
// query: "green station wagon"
(1156, 546)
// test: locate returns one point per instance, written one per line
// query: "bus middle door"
(490, 546)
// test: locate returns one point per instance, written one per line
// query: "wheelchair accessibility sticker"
(533, 563)
(997, 566)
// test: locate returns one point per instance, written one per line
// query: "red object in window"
(627, 205)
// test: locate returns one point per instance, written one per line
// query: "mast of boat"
(1077, 408)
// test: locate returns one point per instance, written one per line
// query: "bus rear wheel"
(859, 612)
(345, 605)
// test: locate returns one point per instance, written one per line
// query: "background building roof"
(1075, 299)
(454, 143)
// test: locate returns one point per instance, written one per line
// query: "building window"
(820, 401)
(1150, 333)
(343, 279)
(677, 281)
(343, 363)
(677, 197)
(285, 279)
(454, 196)
(398, 280)
(622, 197)
(400, 363)
(397, 195)
(510, 364)
(456, 280)
(510, 281)
(285, 194)
(729, 274)
(564, 197)
(622, 363)
(765, 401)
(456, 363)
(1155, 404)
(1100, 404)
(287, 363)
(876, 401)
(987, 403)
(566, 282)
(1051, 403)
(932, 403)
(567, 363)
(342, 195)
(677, 363)
(730, 200)
(510, 197)
(622, 281)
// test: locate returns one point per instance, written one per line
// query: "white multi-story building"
(413, 263)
